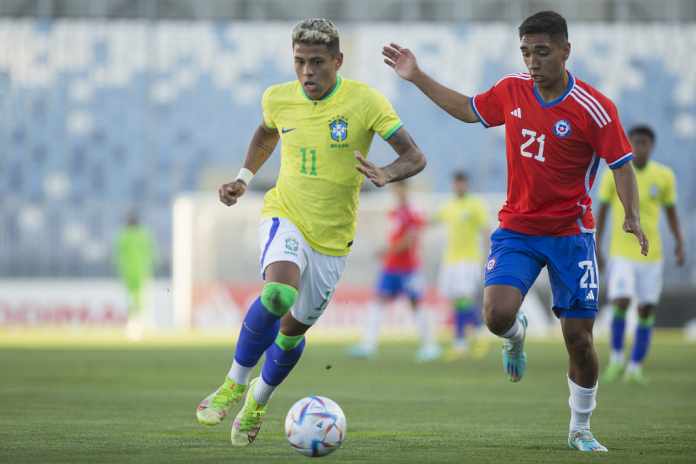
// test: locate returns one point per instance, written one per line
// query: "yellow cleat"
(215, 407)
(247, 424)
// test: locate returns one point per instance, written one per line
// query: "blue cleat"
(514, 357)
(583, 440)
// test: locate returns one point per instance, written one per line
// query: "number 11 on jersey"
(308, 153)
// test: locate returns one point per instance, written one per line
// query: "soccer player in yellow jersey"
(632, 275)
(326, 124)
(466, 219)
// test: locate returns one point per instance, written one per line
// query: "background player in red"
(556, 129)
(401, 275)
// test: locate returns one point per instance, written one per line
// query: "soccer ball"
(315, 426)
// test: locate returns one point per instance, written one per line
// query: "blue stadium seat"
(120, 123)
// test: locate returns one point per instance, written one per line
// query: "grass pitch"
(79, 402)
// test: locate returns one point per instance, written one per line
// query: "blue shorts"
(392, 284)
(516, 259)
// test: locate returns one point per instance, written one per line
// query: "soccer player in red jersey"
(401, 275)
(557, 129)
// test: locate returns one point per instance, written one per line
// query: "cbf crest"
(562, 128)
(338, 127)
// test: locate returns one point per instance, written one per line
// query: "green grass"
(68, 403)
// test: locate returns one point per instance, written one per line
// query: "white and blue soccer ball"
(315, 426)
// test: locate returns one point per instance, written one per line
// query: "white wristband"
(245, 176)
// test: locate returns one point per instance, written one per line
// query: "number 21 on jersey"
(531, 138)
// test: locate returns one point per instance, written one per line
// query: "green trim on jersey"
(393, 130)
(333, 90)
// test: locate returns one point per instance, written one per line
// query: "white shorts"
(461, 280)
(633, 279)
(280, 240)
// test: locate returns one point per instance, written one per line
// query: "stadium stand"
(101, 117)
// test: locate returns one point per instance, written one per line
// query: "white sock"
(582, 402)
(424, 327)
(633, 366)
(516, 332)
(263, 391)
(239, 373)
(616, 357)
(370, 339)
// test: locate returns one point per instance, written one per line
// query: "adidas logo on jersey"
(590, 295)
(517, 112)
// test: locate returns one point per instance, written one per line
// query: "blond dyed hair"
(316, 31)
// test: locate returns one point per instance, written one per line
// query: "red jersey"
(403, 220)
(553, 152)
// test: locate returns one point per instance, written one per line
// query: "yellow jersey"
(466, 218)
(657, 189)
(318, 186)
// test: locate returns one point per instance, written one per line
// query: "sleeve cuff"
(387, 135)
(478, 115)
(621, 161)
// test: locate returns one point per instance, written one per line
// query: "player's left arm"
(627, 189)
(410, 161)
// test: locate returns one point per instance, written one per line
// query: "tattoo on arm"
(411, 160)
(260, 148)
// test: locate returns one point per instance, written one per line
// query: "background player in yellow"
(632, 275)
(325, 123)
(466, 218)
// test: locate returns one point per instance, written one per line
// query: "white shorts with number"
(461, 279)
(281, 240)
(634, 279)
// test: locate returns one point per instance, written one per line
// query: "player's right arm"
(403, 61)
(262, 144)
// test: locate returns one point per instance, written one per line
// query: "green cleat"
(514, 357)
(215, 407)
(247, 424)
(583, 440)
(635, 376)
(613, 372)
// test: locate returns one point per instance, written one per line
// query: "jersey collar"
(337, 85)
(554, 102)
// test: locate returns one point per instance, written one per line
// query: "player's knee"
(646, 313)
(498, 318)
(278, 298)
(619, 312)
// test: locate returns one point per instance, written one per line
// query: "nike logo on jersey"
(517, 112)
(285, 130)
